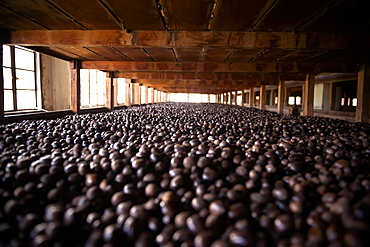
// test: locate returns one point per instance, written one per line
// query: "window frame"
(14, 69)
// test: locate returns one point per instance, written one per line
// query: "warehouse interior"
(184, 123)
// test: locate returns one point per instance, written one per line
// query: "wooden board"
(89, 13)
(109, 53)
(187, 15)
(272, 55)
(242, 55)
(11, 20)
(301, 55)
(134, 54)
(84, 52)
(137, 15)
(162, 54)
(42, 13)
(237, 15)
(289, 14)
(188, 54)
(338, 16)
(216, 54)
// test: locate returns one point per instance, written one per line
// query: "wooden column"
(128, 92)
(2, 119)
(251, 97)
(146, 95)
(243, 97)
(363, 95)
(236, 98)
(75, 86)
(309, 87)
(281, 90)
(263, 97)
(109, 91)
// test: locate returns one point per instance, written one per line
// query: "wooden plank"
(308, 94)
(166, 39)
(85, 52)
(217, 54)
(238, 15)
(93, 15)
(187, 15)
(290, 14)
(242, 55)
(75, 86)
(217, 67)
(137, 15)
(188, 54)
(109, 91)
(272, 55)
(337, 16)
(363, 95)
(43, 13)
(14, 21)
(162, 54)
(134, 54)
(56, 52)
(109, 53)
(301, 55)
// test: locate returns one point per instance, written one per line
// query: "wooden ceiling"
(203, 46)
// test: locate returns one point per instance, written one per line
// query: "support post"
(263, 97)
(243, 97)
(281, 90)
(251, 97)
(363, 95)
(309, 88)
(109, 91)
(236, 98)
(128, 92)
(146, 95)
(2, 119)
(75, 86)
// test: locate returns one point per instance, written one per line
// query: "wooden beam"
(363, 95)
(281, 97)
(109, 92)
(165, 75)
(219, 67)
(75, 86)
(308, 95)
(226, 39)
(263, 97)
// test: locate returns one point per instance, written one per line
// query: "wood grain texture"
(42, 13)
(134, 54)
(109, 53)
(89, 13)
(137, 15)
(75, 86)
(218, 67)
(238, 15)
(187, 15)
(11, 20)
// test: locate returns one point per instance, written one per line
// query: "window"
(20, 78)
(92, 88)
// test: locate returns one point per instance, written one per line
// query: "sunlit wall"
(192, 98)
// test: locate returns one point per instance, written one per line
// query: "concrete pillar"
(251, 97)
(363, 95)
(309, 88)
(281, 97)
(262, 97)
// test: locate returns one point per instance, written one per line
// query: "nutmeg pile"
(185, 175)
